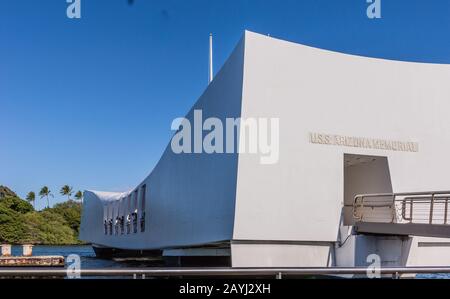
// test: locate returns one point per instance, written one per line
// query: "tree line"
(45, 192)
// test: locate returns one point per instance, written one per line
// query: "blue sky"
(90, 102)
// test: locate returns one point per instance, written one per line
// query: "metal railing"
(413, 207)
(218, 272)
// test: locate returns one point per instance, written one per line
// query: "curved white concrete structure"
(348, 125)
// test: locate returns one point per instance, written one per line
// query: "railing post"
(362, 208)
(411, 211)
(358, 206)
(393, 208)
(404, 209)
(446, 210)
(431, 208)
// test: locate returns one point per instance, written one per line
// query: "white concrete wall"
(393, 251)
(281, 255)
(313, 90)
(429, 252)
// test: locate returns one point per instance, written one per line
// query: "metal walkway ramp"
(417, 213)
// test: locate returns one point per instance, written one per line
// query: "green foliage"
(71, 212)
(11, 227)
(79, 195)
(31, 196)
(16, 204)
(45, 192)
(66, 190)
(20, 223)
(48, 228)
(6, 192)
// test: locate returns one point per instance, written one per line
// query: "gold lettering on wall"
(362, 142)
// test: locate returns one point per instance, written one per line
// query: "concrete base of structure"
(35, 261)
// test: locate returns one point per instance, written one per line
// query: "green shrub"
(20, 224)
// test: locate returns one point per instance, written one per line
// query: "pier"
(27, 259)
(32, 261)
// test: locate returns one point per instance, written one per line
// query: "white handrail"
(219, 272)
(415, 201)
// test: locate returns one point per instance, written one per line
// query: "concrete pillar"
(27, 250)
(6, 250)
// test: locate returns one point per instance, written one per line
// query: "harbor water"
(86, 253)
(90, 261)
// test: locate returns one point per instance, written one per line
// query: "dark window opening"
(143, 195)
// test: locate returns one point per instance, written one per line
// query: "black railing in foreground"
(220, 272)
(413, 207)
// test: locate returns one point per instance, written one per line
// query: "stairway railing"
(412, 207)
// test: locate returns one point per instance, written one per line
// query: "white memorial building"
(362, 167)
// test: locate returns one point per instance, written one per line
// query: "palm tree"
(45, 192)
(66, 190)
(31, 196)
(79, 195)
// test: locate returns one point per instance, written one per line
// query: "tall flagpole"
(211, 73)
